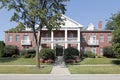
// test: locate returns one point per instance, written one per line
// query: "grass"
(24, 70)
(94, 61)
(100, 61)
(18, 61)
(94, 69)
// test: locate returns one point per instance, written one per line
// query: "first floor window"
(83, 49)
(101, 51)
(93, 49)
(10, 38)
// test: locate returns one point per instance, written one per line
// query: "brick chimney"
(100, 25)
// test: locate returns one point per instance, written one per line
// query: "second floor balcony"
(93, 42)
(58, 39)
(26, 42)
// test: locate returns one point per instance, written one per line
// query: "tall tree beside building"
(43, 13)
(114, 24)
(113, 21)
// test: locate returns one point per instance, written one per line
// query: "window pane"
(26, 37)
(17, 37)
(101, 51)
(101, 38)
(109, 38)
(10, 38)
(83, 38)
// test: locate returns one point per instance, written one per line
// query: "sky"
(82, 11)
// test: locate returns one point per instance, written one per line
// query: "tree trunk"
(37, 57)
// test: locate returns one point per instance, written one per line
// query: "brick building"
(70, 35)
(95, 40)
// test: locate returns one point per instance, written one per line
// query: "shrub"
(28, 53)
(47, 53)
(2, 48)
(10, 50)
(70, 53)
(89, 54)
(108, 52)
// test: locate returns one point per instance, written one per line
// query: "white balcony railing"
(72, 39)
(46, 39)
(59, 39)
(93, 42)
(25, 42)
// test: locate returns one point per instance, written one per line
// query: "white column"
(78, 35)
(52, 45)
(66, 38)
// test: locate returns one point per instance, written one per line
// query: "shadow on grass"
(4, 60)
(116, 62)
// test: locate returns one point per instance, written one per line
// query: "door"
(59, 51)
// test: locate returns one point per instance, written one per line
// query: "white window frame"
(101, 38)
(17, 37)
(10, 38)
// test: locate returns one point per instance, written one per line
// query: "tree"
(1, 48)
(44, 13)
(108, 52)
(114, 24)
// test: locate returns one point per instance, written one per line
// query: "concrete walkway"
(60, 67)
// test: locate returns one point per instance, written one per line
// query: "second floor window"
(109, 38)
(10, 38)
(17, 37)
(71, 35)
(26, 37)
(46, 35)
(83, 38)
(59, 35)
(101, 38)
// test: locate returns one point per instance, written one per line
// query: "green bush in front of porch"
(47, 55)
(71, 55)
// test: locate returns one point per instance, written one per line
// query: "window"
(46, 35)
(25, 37)
(109, 38)
(71, 35)
(10, 38)
(83, 38)
(101, 51)
(83, 49)
(93, 49)
(101, 38)
(59, 34)
(17, 37)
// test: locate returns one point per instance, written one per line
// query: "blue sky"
(82, 11)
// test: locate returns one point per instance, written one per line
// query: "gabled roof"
(91, 26)
(70, 22)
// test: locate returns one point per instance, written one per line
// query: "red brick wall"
(97, 33)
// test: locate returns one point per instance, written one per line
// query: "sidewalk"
(60, 68)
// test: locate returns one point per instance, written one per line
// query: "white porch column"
(66, 38)
(78, 35)
(52, 45)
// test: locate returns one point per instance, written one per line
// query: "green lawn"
(18, 61)
(94, 69)
(94, 61)
(25, 70)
